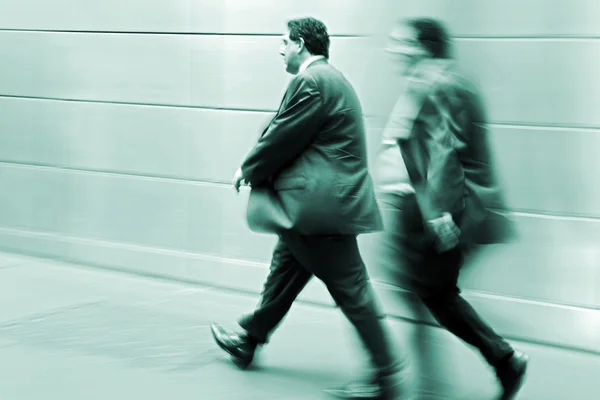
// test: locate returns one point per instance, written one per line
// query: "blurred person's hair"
(432, 35)
(313, 32)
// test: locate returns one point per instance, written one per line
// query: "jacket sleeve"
(441, 189)
(289, 134)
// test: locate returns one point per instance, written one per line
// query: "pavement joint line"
(47, 313)
(13, 264)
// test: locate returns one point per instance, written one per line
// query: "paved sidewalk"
(75, 333)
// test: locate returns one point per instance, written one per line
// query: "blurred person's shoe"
(389, 387)
(512, 375)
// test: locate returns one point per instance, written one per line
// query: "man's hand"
(446, 231)
(238, 180)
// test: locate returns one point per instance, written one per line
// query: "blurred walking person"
(436, 181)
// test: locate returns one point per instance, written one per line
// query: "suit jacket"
(448, 156)
(308, 171)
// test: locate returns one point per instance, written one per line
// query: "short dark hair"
(432, 35)
(314, 33)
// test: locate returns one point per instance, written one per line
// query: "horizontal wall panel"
(545, 272)
(102, 206)
(231, 16)
(184, 143)
(464, 17)
(548, 170)
(206, 219)
(175, 142)
(241, 72)
(343, 17)
(544, 82)
(182, 215)
(516, 18)
(533, 82)
(201, 144)
(105, 15)
(130, 68)
(35, 198)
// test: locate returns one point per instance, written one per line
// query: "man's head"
(415, 39)
(305, 37)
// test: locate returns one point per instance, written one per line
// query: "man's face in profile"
(403, 48)
(290, 51)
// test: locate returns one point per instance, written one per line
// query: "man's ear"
(301, 45)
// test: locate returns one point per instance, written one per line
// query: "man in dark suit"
(311, 187)
(436, 182)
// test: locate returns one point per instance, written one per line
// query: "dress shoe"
(512, 375)
(240, 347)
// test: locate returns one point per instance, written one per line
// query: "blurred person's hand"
(447, 232)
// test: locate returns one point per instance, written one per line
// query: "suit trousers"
(408, 259)
(335, 260)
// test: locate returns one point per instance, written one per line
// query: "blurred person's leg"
(434, 278)
(389, 265)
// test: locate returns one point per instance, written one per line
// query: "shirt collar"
(428, 70)
(309, 61)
